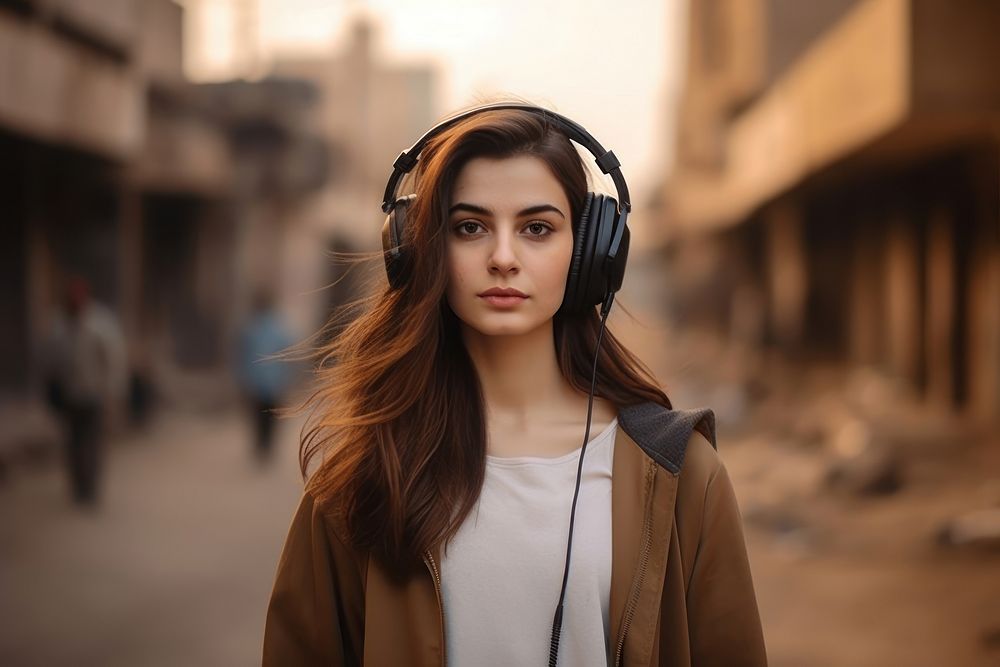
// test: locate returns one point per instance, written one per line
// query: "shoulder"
(702, 465)
(682, 442)
(668, 436)
(322, 512)
(316, 523)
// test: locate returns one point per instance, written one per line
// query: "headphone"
(600, 240)
(600, 250)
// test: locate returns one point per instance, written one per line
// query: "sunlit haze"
(612, 68)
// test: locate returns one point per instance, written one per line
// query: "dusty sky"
(613, 67)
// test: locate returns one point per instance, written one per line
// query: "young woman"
(436, 526)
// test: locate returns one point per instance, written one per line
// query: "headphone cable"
(557, 620)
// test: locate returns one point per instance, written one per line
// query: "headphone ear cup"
(393, 249)
(616, 273)
(570, 298)
(596, 281)
(590, 278)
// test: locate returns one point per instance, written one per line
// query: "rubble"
(863, 465)
(29, 433)
(977, 529)
(793, 536)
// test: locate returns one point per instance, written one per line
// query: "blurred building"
(177, 215)
(162, 194)
(110, 173)
(370, 111)
(280, 160)
(72, 107)
(837, 184)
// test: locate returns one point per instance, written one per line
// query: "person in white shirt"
(86, 375)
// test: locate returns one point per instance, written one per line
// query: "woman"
(436, 527)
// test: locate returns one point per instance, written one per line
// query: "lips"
(503, 291)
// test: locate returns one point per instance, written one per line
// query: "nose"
(503, 255)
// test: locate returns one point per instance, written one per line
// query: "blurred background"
(816, 256)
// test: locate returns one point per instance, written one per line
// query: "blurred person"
(141, 390)
(85, 365)
(264, 380)
(443, 447)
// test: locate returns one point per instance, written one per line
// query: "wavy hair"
(397, 415)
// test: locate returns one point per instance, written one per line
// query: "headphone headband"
(606, 160)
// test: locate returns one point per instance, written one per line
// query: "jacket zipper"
(432, 566)
(645, 546)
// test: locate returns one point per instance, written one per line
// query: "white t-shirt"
(502, 572)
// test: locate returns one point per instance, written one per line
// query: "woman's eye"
(538, 229)
(467, 227)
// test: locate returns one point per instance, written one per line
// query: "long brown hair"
(398, 415)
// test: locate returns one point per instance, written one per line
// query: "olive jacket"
(681, 589)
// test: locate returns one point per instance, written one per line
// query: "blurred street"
(174, 567)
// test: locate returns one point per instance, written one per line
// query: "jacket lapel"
(642, 491)
(627, 472)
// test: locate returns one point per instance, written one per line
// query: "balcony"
(892, 79)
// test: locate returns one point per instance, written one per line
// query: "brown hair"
(399, 415)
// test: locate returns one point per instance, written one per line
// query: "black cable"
(557, 619)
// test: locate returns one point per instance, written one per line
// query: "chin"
(503, 330)
(503, 324)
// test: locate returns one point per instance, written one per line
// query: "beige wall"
(183, 153)
(901, 321)
(58, 91)
(369, 113)
(984, 326)
(114, 23)
(159, 53)
(955, 55)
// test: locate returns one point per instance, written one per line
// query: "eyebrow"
(482, 210)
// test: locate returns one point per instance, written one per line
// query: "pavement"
(173, 568)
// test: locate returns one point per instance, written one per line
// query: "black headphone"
(601, 238)
(600, 249)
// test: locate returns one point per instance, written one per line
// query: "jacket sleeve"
(316, 603)
(724, 622)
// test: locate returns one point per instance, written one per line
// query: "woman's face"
(509, 226)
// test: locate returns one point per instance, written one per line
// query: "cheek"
(556, 266)
(457, 267)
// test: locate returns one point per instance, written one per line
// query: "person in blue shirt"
(264, 379)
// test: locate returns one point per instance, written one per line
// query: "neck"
(519, 374)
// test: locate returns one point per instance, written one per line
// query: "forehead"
(508, 182)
